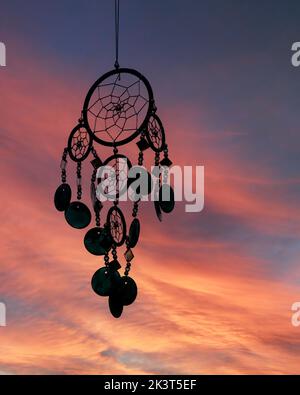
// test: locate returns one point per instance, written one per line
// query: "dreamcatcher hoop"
(79, 143)
(116, 225)
(113, 161)
(155, 133)
(117, 112)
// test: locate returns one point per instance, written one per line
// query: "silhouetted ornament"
(79, 143)
(115, 174)
(98, 206)
(143, 144)
(115, 306)
(118, 106)
(155, 134)
(105, 280)
(96, 163)
(62, 197)
(129, 255)
(166, 198)
(116, 225)
(166, 162)
(114, 265)
(158, 210)
(78, 215)
(134, 233)
(97, 241)
(126, 292)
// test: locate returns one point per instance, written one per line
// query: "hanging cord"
(117, 24)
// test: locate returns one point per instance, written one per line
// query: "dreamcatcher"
(118, 108)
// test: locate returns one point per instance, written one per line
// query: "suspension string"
(117, 24)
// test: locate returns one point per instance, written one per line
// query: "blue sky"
(229, 99)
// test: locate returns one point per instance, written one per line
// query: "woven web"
(155, 133)
(80, 143)
(118, 107)
(116, 226)
(116, 179)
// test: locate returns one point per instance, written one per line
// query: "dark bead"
(98, 205)
(166, 162)
(114, 265)
(96, 163)
(143, 144)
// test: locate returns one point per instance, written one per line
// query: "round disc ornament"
(62, 197)
(126, 292)
(118, 106)
(116, 225)
(104, 281)
(79, 143)
(155, 134)
(134, 233)
(78, 215)
(166, 198)
(97, 241)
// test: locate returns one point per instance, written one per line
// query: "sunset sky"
(216, 287)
